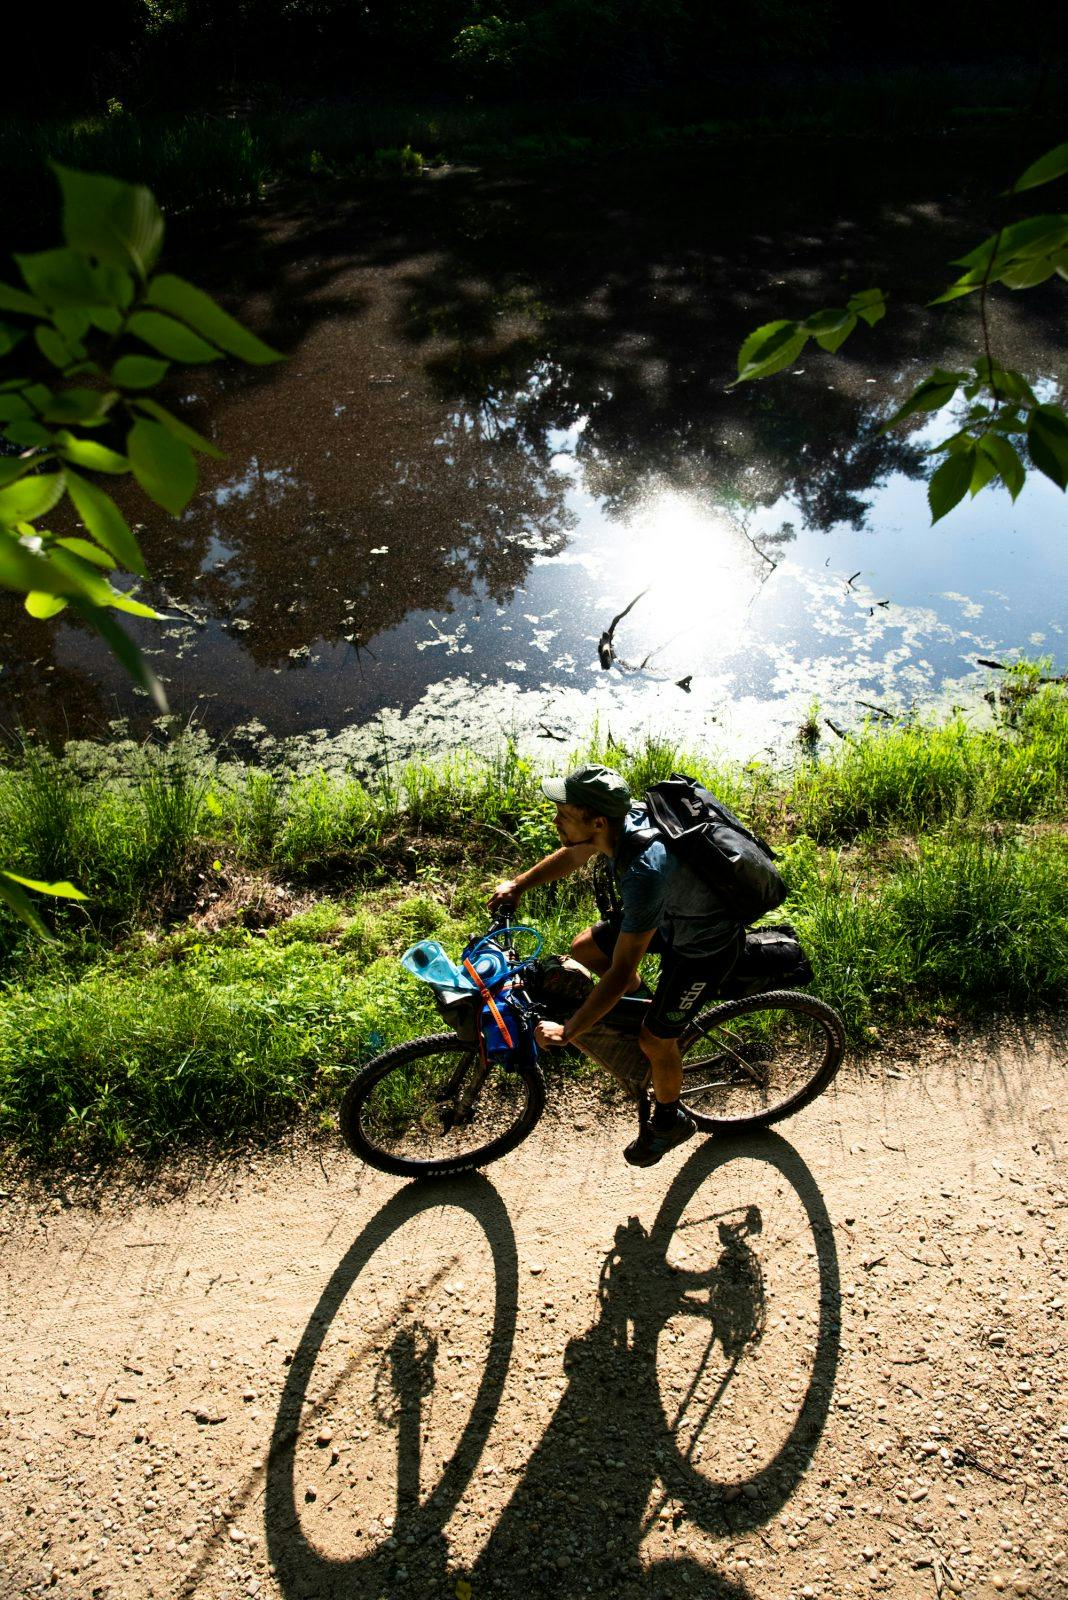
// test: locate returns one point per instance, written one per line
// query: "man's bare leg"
(665, 1057)
(584, 948)
(669, 1125)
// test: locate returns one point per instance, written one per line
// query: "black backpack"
(709, 838)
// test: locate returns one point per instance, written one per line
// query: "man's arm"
(630, 947)
(559, 865)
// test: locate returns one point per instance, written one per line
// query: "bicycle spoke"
(440, 1102)
(757, 1063)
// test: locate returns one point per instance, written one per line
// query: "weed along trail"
(826, 1361)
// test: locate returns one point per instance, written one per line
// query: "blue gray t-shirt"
(659, 891)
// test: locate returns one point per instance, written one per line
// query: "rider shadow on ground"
(405, 1377)
(590, 1498)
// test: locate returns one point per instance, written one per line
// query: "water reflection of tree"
(462, 503)
(615, 296)
(459, 507)
(691, 443)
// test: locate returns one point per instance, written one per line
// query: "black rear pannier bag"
(772, 959)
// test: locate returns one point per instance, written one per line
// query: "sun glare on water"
(702, 577)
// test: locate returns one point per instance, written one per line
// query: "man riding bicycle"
(666, 910)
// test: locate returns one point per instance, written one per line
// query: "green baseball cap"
(599, 788)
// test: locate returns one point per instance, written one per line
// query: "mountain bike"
(454, 1101)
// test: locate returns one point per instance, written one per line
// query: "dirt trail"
(824, 1363)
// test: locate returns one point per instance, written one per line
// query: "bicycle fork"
(458, 1104)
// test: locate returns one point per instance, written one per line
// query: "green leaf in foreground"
(117, 223)
(936, 390)
(10, 336)
(87, 453)
(138, 372)
(86, 407)
(123, 649)
(1054, 164)
(180, 429)
(59, 278)
(88, 552)
(26, 433)
(11, 887)
(134, 608)
(950, 483)
(1008, 464)
(1047, 440)
(830, 329)
(170, 338)
(869, 304)
(106, 523)
(63, 889)
(983, 469)
(106, 318)
(12, 897)
(19, 301)
(44, 606)
(53, 346)
(163, 465)
(10, 469)
(1031, 236)
(768, 349)
(185, 300)
(1026, 274)
(12, 406)
(30, 497)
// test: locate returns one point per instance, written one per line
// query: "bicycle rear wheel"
(749, 1063)
(432, 1107)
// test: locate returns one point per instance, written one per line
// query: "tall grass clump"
(984, 919)
(967, 920)
(462, 792)
(45, 815)
(922, 775)
(170, 793)
(212, 1040)
(327, 824)
(258, 813)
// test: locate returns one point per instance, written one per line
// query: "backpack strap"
(632, 844)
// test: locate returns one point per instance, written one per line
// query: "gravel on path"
(823, 1362)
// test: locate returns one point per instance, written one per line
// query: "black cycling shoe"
(654, 1143)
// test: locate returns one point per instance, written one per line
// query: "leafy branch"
(81, 410)
(1004, 415)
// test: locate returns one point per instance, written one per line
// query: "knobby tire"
(402, 1060)
(828, 1036)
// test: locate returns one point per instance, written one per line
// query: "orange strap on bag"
(488, 998)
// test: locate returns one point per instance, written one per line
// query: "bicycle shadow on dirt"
(406, 1368)
(619, 1450)
(612, 1435)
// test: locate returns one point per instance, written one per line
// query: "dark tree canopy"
(158, 49)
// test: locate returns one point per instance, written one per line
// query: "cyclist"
(666, 910)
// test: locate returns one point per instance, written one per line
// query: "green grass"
(927, 865)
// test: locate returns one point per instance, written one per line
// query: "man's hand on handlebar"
(550, 1035)
(505, 896)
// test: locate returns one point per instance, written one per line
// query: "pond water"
(506, 415)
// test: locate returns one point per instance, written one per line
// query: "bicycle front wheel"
(433, 1107)
(749, 1063)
